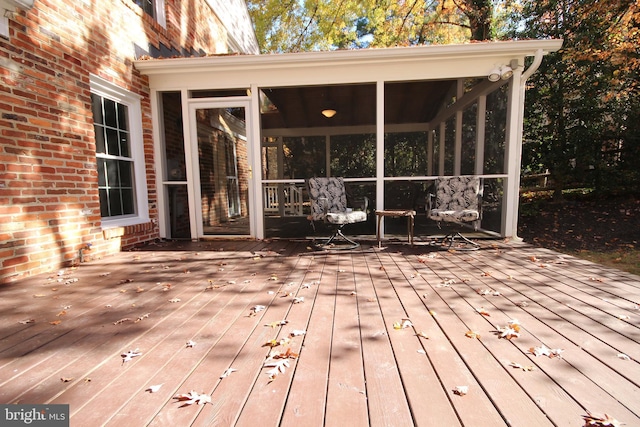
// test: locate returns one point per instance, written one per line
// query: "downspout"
(537, 60)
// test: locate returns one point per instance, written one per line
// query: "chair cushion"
(346, 217)
(465, 215)
(326, 193)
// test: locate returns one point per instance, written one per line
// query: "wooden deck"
(353, 367)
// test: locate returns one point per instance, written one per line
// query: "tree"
(577, 118)
(303, 25)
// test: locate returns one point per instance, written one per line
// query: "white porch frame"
(373, 66)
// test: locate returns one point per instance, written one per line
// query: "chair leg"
(469, 245)
(338, 233)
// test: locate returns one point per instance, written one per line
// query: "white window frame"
(108, 90)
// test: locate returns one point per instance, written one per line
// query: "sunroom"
(237, 136)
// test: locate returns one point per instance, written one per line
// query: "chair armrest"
(361, 204)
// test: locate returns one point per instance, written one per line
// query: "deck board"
(353, 365)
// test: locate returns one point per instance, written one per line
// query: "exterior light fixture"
(503, 72)
(329, 112)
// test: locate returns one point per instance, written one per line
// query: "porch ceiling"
(405, 102)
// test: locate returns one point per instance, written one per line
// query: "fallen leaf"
(277, 323)
(289, 354)
(508, 332)
(129, 355)
(278, 367)
(297, 332)
(173, 300)
(39, 295)
(191, 344)
(421, 351)
(482, 311)
(461, 390)
(405, 323)
(24, 322)
(154, 388)
(472, 334)
(606, 421)
(524, 368)
(139, 289)
(421, 334)
(623, 356)
(623, 317)
(55, 322)
(298, 300)
(117, 322)
(66, 380)
(544, 351)
(522, 304)
(227, 372)
(144, 316)
(193, 397)
(62, 313)
(271, 343)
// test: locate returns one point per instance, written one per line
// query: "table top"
(396, 212)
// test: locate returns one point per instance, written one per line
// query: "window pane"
(123, 117)
(449, 145)
(126, 179)
(124, 144)
(495, 133)
(173, 138)
(110, 116)
(113, 145)
(104, 203)
(128, 206)
(100, 143)
(112, 173)
(468, 161)
(115, 203)
(102, 173)
(96, 107)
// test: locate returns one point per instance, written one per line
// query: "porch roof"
(342, 66)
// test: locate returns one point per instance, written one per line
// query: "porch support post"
(380, 150)
(457, 157)
(255, 172)
(190, 141)
(513, 153)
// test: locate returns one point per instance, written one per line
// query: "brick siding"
(49, 205)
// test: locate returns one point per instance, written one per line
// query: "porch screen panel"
(304, 157)
(449, 145)
(469, 137)
(495, 132)
(353, 156)
(405, 154)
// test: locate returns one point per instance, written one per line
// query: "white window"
(153, 8)
(117, 122)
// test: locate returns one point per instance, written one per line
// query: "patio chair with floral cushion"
(328, 198)
(456, 200)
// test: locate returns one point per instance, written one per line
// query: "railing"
(290, 195)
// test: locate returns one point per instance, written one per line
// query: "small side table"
(410, 214)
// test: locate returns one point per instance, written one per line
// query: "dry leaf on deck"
(297, 332)
(117, 322)
(623, 356)
(405, 323)
(421, 334)
(277, 367)
(175, 300)
(508, 332)
(24, 322)
(193, 397)
(472, 334)
(256, 309)
(141, 317)
(461, 390)
(289, 354)
(277, 323)
(606, 421)
(227, 372)
(482, 311)
(66, 380)
(154, 388)
(129, 355)
(298, 300)
(544, 351)
(55, 322)
(524, 368)
(190, 344)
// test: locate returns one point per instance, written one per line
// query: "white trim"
(103, 88)
(161, 17)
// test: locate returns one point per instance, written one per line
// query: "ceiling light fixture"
(329, 112)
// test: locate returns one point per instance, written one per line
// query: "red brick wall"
(48, 171)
